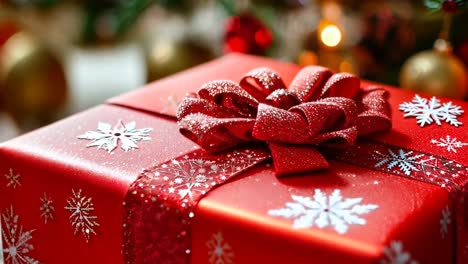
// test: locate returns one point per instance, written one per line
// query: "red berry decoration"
(450, 6)
(246, 34)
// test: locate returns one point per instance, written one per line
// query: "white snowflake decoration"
(429, 111)
(323, 211)
(107, 137)
(395, 254)
(406, 161)
(188, 176)
(16, 242)
(13, 179)
(450, 143)
(219, 252)
(81, 218)
(47, 208)
(445, 221)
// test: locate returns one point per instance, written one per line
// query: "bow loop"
(341, 85)
(261, 82)
(329, 118)
(230, 95)
(279, 125)
(319, 109)
(216, 134)
(282, 98)
(309, 82)
(374, 111)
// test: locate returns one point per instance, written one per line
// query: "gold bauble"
(435, 72)
(165, 56)
(32, 81)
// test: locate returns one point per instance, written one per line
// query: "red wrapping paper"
(54, 162)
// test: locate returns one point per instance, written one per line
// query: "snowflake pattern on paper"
(14, 179)
(428, 111)
(188, 176)
(47, 208)
(82, 218)
(405, 161)
(16, 242)
(322, 211)
(107, 137)
(417, 165)
(445, 221)
(450, 143)
(219, 251)
(394, 254)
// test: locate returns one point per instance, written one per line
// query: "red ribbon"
(320, 109)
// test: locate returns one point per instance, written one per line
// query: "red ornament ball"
(461, 51)
(246, 34)
(450, 6)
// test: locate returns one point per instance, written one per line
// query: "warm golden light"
(331, 35)
(307, 58)
(347, 66)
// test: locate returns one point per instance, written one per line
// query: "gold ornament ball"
(436, 73)
(32, 81)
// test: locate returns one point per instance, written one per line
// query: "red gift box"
(71, 191)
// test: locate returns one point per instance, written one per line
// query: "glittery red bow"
(320, 109)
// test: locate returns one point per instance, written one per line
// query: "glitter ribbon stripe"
(161, 203)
